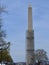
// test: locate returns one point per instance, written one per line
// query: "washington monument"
(30, 58)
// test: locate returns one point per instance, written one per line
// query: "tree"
(5, 57)
(4, 54)
(41, 54)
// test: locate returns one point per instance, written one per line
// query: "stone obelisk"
(30, 58)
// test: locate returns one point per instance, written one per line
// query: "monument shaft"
(30, 58)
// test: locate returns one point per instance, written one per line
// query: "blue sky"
(15, 24)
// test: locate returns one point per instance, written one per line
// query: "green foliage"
(5, 57)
